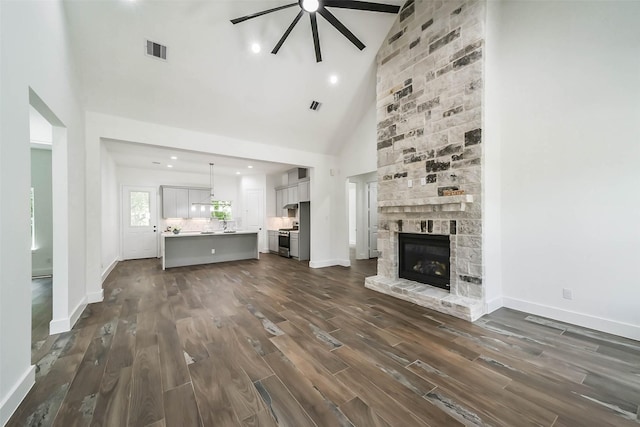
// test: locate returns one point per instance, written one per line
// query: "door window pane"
(140, 209)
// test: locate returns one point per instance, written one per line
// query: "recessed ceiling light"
(169, 166)
(174, 158)
(237, 173)
(310, 5)
(255, 48)
(333, 79)
(250, 167)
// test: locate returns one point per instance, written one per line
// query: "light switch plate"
(423, 181)
(410, 183)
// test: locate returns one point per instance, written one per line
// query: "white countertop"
(199, 233)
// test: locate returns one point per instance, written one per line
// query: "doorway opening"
(49, 221)
(41, 140)
(363, 216)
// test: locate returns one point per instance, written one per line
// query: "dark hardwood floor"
(273, 342)
(41, 313)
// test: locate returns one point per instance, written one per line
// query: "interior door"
(372, 206)
(254, 213)
(139, 222)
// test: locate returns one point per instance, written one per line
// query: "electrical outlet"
(567, 294)
(213, 251)
(410, 183)
(423, 181)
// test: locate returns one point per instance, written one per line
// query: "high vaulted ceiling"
(212, 81)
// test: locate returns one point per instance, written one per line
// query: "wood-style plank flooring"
(273, 342)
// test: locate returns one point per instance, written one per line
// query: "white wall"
(34, 53)
(491, 169)
(569, 122)
(357, 156)
(111, 213)
(42, 253)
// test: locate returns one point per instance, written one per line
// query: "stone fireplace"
(429, 113)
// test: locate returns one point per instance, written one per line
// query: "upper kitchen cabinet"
(280, 202)
(292, 193)
(304, 191)
(199, 203)
(175, 202)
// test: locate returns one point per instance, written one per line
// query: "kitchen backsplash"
(276, 222)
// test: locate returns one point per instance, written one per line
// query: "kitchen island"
(193, 248)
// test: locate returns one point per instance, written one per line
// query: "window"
(33, 222)
(140, 209)
(221, 209)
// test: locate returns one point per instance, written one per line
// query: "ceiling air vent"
(156, 50)
(315, 105)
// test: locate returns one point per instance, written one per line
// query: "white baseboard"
(585, 320)
(321, 264)
(493, 305)
(95, 297)
(18, 392)
(109, 269)
(330, 263)
(58, 326)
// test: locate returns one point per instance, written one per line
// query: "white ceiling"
(212, 82)
(144, 156)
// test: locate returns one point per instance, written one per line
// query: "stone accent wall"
(429, 113)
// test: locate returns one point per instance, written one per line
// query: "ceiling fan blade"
(340, 27)
(264, 12)
(362, 5)
(316, 39)
(286, 33)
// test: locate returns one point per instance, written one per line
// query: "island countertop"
(195, 247)
(202, 233)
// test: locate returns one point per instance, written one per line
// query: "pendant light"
(210, 200)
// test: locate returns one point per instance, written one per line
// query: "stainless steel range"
(284, 241)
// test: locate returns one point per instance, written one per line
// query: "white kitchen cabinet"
(292, 194)
(175, 202)
(280, 202)
(199, 195)
(304, 191)
(273, 241)
(294, 245)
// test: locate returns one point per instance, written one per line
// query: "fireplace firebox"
(424, 258)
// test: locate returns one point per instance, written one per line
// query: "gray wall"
(42, 255)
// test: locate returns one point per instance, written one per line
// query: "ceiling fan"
(320, 6)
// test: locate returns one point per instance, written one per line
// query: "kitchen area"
(289, 227)
(191, 208)
(198, 228)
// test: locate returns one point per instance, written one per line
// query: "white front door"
(139, 222)
(372, 205)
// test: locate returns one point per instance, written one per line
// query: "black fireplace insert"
(424, 258)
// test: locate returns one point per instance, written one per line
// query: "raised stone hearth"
(429, 114)
(428, 296)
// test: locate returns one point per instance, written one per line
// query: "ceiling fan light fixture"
(310, 5)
